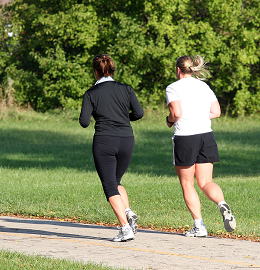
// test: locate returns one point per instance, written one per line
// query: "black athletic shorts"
(112, 156)
(199, 148)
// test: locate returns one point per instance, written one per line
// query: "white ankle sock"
(126, 226)
(220, 203)
(198, 222)
(127, 209)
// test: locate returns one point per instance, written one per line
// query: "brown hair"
(104, 65)
(193, 65)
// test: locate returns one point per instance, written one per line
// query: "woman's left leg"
(190, 195)
(105, 151)
(124, 196)
(191, 198)
(118, 207)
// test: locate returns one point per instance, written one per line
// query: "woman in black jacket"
(113, 105)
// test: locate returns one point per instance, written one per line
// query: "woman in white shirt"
(192, 105)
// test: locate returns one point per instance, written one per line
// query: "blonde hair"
(194, 65)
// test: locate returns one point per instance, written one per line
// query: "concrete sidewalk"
(150, 250)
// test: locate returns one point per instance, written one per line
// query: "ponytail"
(104, 65)
(193, 65)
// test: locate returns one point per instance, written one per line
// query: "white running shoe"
(125, 234)
(132, 220)
(197, 232)
(228, 218)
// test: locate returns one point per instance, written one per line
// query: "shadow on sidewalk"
(65, 224)
(55, 223)
(51, 233)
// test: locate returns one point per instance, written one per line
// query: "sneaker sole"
(124, 240)
(199, 236)
(132, 222)
(229, 224)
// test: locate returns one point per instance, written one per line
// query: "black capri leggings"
(112, 156)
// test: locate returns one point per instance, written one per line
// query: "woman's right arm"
(135, 107)
(215, 110)
(86, 111)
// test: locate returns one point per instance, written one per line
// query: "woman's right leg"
(191, 198)
(214, 193)
(204, 179)
(123, 160)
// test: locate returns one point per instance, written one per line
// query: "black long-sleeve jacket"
(113, 105)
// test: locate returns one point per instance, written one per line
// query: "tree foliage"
(55, 41)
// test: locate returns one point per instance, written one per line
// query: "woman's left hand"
(168, 123)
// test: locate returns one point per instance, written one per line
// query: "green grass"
(46, 169)
(17, 261)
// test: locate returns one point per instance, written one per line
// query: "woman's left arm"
(175, 113)
(86, 111)
(215, 110)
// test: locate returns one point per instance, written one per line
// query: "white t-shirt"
(195, 99)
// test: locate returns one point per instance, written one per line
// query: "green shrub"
(52, 69)
(54, 43)
(246, 103)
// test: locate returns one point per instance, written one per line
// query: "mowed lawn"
(17, 261)
(46, 169)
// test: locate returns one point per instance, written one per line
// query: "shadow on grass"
(43, 149)
(239, 152)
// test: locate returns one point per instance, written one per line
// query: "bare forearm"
(175, 113)
(215, 110)
(172, 118)
(214, 115)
